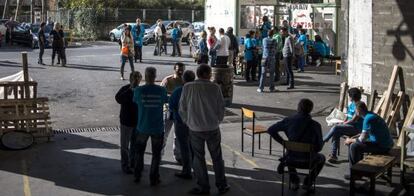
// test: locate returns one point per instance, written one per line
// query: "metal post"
(25, 74)
(192, 15)
(31, 11)
(169, 13)
(144, 15)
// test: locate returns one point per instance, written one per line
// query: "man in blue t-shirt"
(150, 99)
(375, 136)
(351, 127)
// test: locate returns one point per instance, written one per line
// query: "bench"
(373, 167)
(30, 115)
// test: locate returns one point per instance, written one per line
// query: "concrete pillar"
(192, 15)
(169, 14)
(144, 15)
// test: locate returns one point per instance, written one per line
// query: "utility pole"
(31, 11)
(5, 10)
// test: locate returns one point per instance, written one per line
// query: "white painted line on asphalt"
(251, 162)
(26, 185)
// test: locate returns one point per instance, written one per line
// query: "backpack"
(163, 30)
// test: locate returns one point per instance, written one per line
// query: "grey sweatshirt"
(288, 49)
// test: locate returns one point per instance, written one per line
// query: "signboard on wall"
(220, 14)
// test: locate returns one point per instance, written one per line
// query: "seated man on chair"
(300, 128)
(351, 127)
(375, 137)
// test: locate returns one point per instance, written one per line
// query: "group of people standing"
(195, 107)
(131, 43)
(58, 44)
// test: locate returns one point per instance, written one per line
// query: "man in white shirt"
(202, 109)
(158, 37)
(223, 49)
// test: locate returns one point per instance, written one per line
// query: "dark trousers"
(56, 51)
(222, 61)
(277, 67)
(176, 48)
(357, 150)
(203, 59)
(126, 133)
(251, 67)
(140, 145)
(288, 68)
(131, 63)
(213, 140)
(138, 53)
(337, 132)
(318, 162)
(41, 52)
(182, 134)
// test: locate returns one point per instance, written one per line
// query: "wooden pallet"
(18, 90)
(31, 115)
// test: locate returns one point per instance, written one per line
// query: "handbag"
(124, 51)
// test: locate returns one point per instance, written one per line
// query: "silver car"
(115, 34)
(186, 27)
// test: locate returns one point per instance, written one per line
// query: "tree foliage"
(156, 4)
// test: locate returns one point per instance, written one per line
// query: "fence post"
(192, 15)
(169, 14)
(144, 15)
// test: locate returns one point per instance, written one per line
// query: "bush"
(86, 23)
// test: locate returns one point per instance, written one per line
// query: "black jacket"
(129, 110)
(299, 128)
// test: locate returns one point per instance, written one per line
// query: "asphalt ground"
(87, 163)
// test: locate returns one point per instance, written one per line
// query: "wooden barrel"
(224, 78)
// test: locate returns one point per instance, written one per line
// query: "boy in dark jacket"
(300, 128)
(128, 118)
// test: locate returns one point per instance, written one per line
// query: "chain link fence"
(105, 20)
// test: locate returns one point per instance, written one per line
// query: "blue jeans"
(131, 63)
(301, 63)
(213, 59)
(183, 138)
(290, 80)
(337, 132)
(176, 48)
(267, 63)
(213, 140)
(357, 150)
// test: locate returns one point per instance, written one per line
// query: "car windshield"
(35, 28)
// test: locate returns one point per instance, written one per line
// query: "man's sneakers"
(332, 159)
(259, 90)
(224, 189)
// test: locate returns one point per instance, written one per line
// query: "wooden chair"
(305, 164)
(252, 130)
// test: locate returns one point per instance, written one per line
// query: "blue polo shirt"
(150, 100)
(350, 114)
(377, 131)
(249, 47)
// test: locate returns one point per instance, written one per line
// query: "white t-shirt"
(224, 42)
(158, 31)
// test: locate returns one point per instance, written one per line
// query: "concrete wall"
(393, 41)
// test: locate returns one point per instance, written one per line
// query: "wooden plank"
(38, 116)
(12, 102)
(409, 119)
(395, 109)
(342, 96)
(372, 100)
(385, 108)
(377, 109)
(25, 73)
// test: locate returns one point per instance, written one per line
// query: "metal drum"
(224, 78)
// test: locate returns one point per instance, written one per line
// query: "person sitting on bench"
(300, 128)
(351, 127)
(375, 137)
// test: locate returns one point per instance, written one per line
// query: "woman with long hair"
(57, 43)
(212, 43)
(127, 50)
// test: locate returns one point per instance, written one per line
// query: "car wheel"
(112, 37)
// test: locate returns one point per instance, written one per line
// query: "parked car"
(115, 34)
(198, 28)
(186, 27)
(27, 34)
